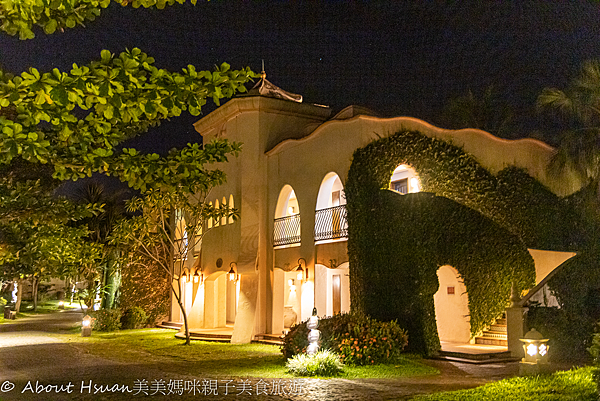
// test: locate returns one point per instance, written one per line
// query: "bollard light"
(313, 335)
(61, 304)
(86, 326)
(535, 348)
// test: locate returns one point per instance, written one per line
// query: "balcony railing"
(331, 223)
(287, 230)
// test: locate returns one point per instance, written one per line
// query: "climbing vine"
(478, 223)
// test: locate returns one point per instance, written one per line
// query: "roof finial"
(263, 74)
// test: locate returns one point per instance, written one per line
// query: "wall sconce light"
(198, 277)
(184, 277)
(300, 270)
(86, 326)
(232, 274)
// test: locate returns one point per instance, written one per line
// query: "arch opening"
(405, 180)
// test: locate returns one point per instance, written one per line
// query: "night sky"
(398, 58)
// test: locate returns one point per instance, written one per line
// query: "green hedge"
(396, 243)
(358, 339)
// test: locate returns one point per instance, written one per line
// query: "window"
(401, 186)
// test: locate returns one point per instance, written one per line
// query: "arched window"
(287, 218)
(224, 205)
(405, 180)
(330, 216)
(217, 207)
(209, 223)
(231, 206)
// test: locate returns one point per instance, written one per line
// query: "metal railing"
(331, 223)
(287, 230)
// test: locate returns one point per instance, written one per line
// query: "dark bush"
(134, 318)
(106, 319)
(568, 336)
(358, 339)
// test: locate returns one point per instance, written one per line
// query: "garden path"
(34, 355)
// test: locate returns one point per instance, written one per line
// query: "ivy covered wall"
(479, 223)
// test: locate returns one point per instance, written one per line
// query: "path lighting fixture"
(300, 270)
(61, 304)
(313, 335)
(233, 276)
(535, 348)
(86, 326)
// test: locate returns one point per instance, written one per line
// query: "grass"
(221, 359)
(576, 384)
(45, 307)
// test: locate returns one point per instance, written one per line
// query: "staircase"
(221, 338)
(170, 325)
(272, 339)
(495, 335)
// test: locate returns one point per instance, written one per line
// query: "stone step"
(272, 339)
(170, 325)
(222, 338)
(480, 359)
(491, 341)
(498, 327)
(494, 334)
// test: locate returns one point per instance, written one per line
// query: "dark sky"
(398, 58)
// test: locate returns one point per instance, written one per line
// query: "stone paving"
(37, 363)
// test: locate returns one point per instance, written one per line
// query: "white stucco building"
(288, 186)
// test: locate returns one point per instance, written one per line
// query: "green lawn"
(577, 385)
(42, 308)
(222, 359)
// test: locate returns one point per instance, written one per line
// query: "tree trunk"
(19, 294)
(185, 321)
(35, 281)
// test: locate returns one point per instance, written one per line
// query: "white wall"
(452, 310)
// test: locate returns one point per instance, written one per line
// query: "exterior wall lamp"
(300, 270)
(198, 277)
(232, 274)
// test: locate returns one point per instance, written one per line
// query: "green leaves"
(124, 95)
(19, 17)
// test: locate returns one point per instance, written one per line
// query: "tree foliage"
(75, 120)
(579, 104)
(20, 16)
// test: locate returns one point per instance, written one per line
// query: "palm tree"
(486, 112)
(579, 103)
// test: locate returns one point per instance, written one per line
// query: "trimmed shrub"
(594, 351)
(358, 339)
(134, 318)
(106, 319)
(323, 363)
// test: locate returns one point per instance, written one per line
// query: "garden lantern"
(313, 335)
(61, 304)
(86, 326)
(535, 348)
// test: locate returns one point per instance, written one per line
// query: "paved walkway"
(38, 363)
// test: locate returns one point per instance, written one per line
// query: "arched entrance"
(452, 307)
